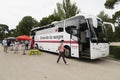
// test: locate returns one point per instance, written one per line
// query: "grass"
(115, 52)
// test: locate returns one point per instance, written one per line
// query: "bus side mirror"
(113, 27)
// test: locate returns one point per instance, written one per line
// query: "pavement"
(44, 67)
(115, 43)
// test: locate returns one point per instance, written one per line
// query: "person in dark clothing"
(8, 43)
(61, 50)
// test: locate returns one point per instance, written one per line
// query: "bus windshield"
(97, 33)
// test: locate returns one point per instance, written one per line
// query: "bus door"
(74, 42)
(84, 45)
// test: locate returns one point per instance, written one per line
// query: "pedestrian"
(31, 44)
(26, 44)
(16, 45)
(61, 50)
(11, 46)
(8, 44)
(23, 47)
(4, 42)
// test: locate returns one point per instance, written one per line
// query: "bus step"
(85, 54)
(85, 57)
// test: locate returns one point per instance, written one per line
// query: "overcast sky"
(12, 11)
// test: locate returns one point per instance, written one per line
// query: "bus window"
(83, 25)
(60, 26)
(60, 29)
(71, 30)
(32, 33)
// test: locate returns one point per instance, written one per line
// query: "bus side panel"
(74, 50)
(50, 42)
(73, 45)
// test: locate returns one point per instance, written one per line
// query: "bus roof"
(78, 15)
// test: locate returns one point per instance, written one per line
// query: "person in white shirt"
(4, 42)
(11, 46)
(16, 45)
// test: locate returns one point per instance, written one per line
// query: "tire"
(67, 53)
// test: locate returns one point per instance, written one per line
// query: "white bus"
(84, 36)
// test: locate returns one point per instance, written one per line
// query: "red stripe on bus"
(73, 42)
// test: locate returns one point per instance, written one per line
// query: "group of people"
(16, 43)
(13, 45)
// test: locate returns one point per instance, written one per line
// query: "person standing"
(4, 42)
(61, 50)
(31, 44)
(26, 44)
(8, 44)
(24, 47)
(11, 46)
(16, 45)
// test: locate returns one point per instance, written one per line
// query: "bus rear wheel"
(67, 53)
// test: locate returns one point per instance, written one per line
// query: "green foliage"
(13, 33)
(116, 15)
(4, 27)
(116, 18)
(66, 9)
(115, 51)
(110, 33)
(48, 20)
(109, 4)
(112, 37)
(116, 37)
(25, 25)
(4, 31)
(104, 16)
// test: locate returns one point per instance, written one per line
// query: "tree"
(111, 36)
(4, 27)
(48, 20)
(116, 18)
(4, 31)
(109, 4)
(66, 9)
(106, 18)
(25, 25)
(13, 33)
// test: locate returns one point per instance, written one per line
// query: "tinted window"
(60, 29)
(71, 30)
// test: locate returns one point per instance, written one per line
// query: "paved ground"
(44, 67)
(115, 43)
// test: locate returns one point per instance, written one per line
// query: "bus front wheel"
(67, 53)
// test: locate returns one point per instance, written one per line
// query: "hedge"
(115, 51)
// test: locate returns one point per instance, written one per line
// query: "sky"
(12, 11)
